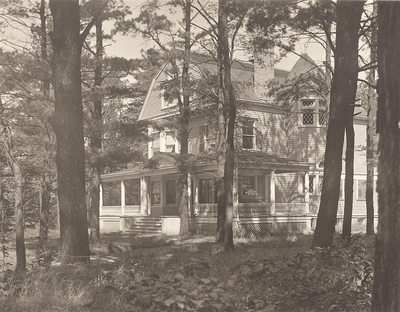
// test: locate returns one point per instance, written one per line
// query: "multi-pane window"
(248, 136)
(203, 138)
(361, 189)
(170, 192)
(206, 191)
(313, 112)
(156, 192)
(314, 184)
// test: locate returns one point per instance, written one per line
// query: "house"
(280, 145)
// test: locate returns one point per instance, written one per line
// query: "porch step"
(146, 225)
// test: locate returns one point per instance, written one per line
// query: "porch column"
(196, 194)
(235, 191)
(307, 192)
(267, 190)
(144, 195)
(101, 200)
(122, 219)
(272, 192)
(189, 192)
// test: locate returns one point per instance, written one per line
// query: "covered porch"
(266, 192)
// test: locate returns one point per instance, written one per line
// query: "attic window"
(167, 101)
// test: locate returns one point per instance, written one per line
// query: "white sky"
(130, 47)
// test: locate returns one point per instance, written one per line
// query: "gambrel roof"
(242, 74)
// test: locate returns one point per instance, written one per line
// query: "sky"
(130, 47)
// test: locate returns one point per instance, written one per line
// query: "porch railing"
(255, 209)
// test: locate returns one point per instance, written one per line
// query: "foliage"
(158, 273)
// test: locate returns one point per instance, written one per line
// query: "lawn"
(159, 273)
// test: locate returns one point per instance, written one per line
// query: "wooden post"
(235, 192)
(272, 192)
(307, 192)
(144, 196)
(122, 216)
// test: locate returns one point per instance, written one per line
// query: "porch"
(266, 195)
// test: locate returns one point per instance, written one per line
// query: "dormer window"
(312, 112)
(167, 101)
(248, 135)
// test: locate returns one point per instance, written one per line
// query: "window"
(312, 184)
(170, 141)
(171, 194)
(248, 136)
(203, 138)
(155, 192)
(313, 112)
(132, 192)
(361, 189)
(167, 100)
(206, 191)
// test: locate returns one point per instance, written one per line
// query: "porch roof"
(166, 163)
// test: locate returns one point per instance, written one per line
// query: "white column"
(101, 200)
(267, 189)
(189, 192)
(307, 192)
(122, 220)
(235, 191)
(163, 141)
(177, 145)
(144, 196)
(149, 144)
(272, 192)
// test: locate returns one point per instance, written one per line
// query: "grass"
(159, 273)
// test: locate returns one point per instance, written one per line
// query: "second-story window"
(248, 135)
(203, 138)
(312, 112)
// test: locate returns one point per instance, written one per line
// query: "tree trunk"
(184, 126)
(221, 136)
(386, 287)
(344, 86)
(95, 142)
(45, 187)
(371, 129)
(349, 180)
(68, 126)
(229, 101)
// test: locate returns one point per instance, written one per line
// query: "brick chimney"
(263, 72)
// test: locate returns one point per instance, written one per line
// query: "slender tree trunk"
(230, 106)
(45, 188)
(371, 129)
(349, 180)
(344, 86)
(68, 126)
(95, 142)
(221, 136)
(184, 125)
(386, 287)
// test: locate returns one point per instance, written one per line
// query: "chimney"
(263, 72)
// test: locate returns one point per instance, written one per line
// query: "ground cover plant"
(159, 273)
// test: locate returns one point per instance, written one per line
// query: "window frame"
(249, 124)
(364, 189)
(315, 109)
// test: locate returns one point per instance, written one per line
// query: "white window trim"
(315, 109)
(164, 104)
(250, 123)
